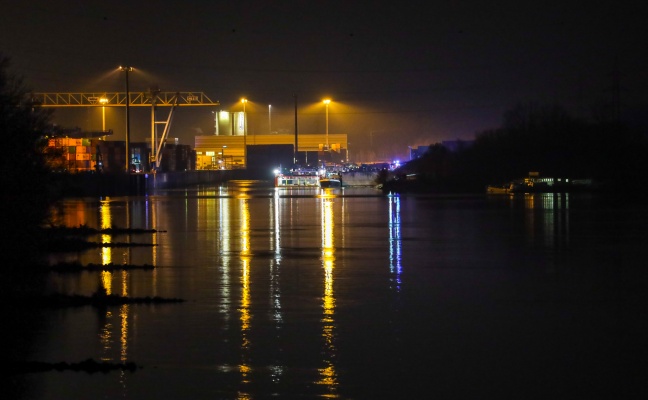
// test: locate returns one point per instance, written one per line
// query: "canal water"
(352, 294)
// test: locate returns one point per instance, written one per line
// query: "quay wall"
(168, 180)
(104, 184)
(359, 178)
(93, 184)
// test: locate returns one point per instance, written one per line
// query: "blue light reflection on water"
(395, 240)
(339, 293)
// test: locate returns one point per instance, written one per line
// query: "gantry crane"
(153, 98)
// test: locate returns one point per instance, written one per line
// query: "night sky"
(399, 73)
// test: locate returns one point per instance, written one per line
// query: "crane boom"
(118, 99)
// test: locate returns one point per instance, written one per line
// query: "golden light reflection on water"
(152, 222)
(105, 334)
(328, 374)
(327, 193)
(106, 222)
(123, 338)
(225, 243)
(106, 281)
(245, 316)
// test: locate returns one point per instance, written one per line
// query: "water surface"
(349, 293)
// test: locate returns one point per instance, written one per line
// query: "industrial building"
(233, 147)
(229, 152)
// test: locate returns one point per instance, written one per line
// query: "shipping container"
(82, 165)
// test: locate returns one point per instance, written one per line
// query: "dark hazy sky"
(399, 72)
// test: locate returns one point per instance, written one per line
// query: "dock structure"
(118, 99)
(153, 99)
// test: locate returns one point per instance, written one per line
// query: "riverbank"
(102, 184)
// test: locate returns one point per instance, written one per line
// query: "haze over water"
(348, 293)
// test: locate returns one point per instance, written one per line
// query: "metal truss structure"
(137, 99)
(151, 99)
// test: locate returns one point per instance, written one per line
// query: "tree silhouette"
(26, 194)
(544, 139)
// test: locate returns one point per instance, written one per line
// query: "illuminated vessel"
(499, 189)
(536, 184)
(297, 179)
(330, 183)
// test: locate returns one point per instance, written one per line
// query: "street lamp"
(270, 118)
(327, 102)
(223, 157)
(103, 102)
(244, 101)
(127, 70)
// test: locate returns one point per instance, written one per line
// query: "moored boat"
(534, 183)
(296, 180)
(330, 182)
(499, 189)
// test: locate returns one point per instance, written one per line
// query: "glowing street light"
(244, 101)
(327, 102)
(103, 102)
(270, 118)
(127, 70)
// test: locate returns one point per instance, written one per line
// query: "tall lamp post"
(327, 102)
(244, 101)
(270, 118)
(296, 148)
(103, 102)
(223, 157)
(127, 70)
